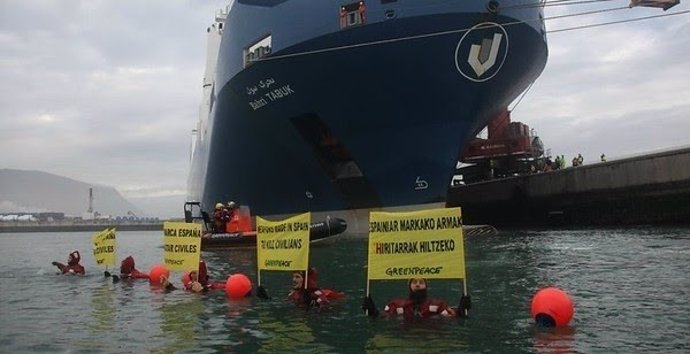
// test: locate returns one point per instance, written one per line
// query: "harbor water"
(630, 287)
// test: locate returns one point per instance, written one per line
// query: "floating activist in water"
(72, 266)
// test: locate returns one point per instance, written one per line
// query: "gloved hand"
(115, 278)
(465, 305)
(369, 306)
(106, 274)
(307, 298)
(59, 266)
(262, 293)
(317, 299)
(169, 287)
(197, 287)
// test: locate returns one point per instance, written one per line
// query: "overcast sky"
(620, 89)
(108, 91)
(104, 92)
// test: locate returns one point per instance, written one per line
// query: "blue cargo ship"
(335, 105)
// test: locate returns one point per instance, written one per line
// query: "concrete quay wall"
(16, 227)
(653, 188)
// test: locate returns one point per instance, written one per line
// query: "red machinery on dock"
(510, 148)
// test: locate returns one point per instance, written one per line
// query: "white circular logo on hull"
(481, 51)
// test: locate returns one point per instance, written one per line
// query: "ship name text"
(271, 96)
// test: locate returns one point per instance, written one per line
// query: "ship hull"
(377, 122)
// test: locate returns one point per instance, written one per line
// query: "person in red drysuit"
(417, 304)
(198, 281)
(311, 295)
(73, 266)
(128, 270)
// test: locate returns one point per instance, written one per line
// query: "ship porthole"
(492, 6)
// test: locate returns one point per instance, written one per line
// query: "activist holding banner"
(310, 294)
(181, 245)
(198, 280)
(284, 246)
(417, 304)
(181, 251)
(416, 246)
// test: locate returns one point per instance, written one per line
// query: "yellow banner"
(181, 246)
(419, 244)
(283, 245)
(104, 247)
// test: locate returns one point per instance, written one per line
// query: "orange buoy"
(157, 272)
(238, 286)
(552, 307)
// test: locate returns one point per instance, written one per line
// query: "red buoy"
(157, 273)
(552, 307)
(238, 286)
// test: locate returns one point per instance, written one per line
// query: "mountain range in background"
(34, 191)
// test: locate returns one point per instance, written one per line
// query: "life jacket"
(332, 294)
(435, 307)
(400, 307)
(310, 296)
(233, 220)
(427, 308)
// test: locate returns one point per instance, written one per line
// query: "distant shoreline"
(79, 227)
